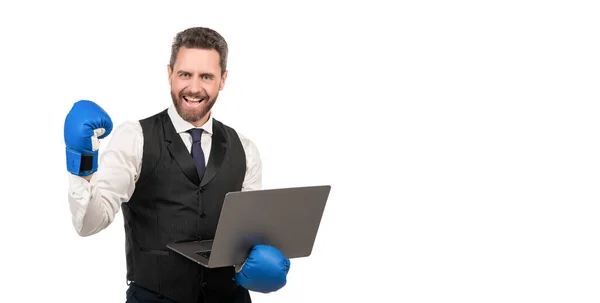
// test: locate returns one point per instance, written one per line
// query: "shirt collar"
(183, 126)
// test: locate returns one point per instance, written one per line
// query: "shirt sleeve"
(94, 204)
(253, 178)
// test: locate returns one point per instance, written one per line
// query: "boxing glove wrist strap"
(81, 164)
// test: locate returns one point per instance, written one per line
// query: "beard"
(198, 110)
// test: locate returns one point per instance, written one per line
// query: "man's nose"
(195, 86)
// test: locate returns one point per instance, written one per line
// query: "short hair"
(200, 38)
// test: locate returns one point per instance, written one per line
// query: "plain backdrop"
(461, 139)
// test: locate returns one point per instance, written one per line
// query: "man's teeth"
(192, 99)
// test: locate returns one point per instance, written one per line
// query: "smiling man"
(169, 173)
(194, 84)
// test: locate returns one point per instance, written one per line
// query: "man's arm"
(253, 179)
(95, 200)
(266, 268)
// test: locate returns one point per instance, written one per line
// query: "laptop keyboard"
(205, 254)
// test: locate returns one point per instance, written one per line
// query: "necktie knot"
(196, 134)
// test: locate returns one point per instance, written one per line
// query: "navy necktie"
(197, 153)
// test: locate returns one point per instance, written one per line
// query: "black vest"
(170, 204)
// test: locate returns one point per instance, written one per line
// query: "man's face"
(195, 83)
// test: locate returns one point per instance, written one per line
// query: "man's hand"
(85, 125)
(265, 270)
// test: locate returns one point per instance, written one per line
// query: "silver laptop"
(286, 218)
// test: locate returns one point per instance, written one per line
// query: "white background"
(461, 139)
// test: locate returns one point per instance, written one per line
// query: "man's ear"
(223, 79)
(169, 73)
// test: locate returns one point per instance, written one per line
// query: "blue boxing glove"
(85, 124)
(265, 270)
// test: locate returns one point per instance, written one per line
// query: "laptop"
(286, 218)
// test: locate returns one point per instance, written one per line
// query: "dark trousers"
(138, 294)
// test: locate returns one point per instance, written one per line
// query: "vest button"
(202, 215)
(203, 284)
(202, 189)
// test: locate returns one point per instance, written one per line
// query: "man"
(169, 173)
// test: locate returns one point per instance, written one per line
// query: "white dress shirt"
(94, 204)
